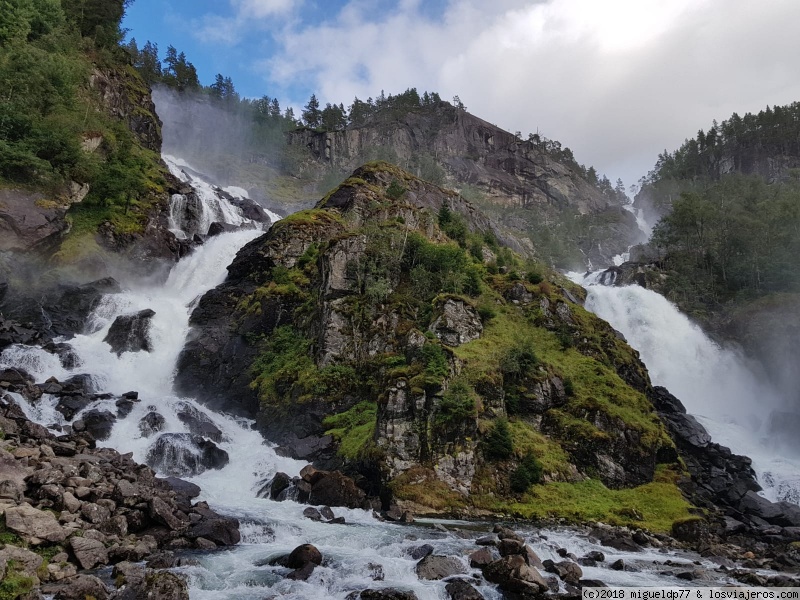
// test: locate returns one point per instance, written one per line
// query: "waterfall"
(360, 554)
(715, 384)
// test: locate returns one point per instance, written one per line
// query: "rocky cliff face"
(362, 337)
(521, 183)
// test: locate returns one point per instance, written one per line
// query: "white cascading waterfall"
(715, 384)
(354, 552)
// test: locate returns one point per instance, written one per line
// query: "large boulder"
(197, 422)
(131, 333)
(514, 575)
(336, 489)
(90, 553)
(438, 567)
(33, 524)
(99, 423)
(185, 455)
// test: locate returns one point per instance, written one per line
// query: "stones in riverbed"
(434, 567)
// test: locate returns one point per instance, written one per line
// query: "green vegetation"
(282, 366)
(731, 224)
(354, 429)
(526, 474)
(654, 506)
(498, 444)
(15, 585)
(458, 403)
(737, 238)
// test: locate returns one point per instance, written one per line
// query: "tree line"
(729, 233)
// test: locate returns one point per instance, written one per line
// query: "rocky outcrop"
(512, 173)
(31, 220)
(131, 333)
(721, 480)
(61, 310)
(318, 332)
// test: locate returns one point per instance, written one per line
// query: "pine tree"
(312, 115)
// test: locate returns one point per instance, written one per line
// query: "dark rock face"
(719, 477)
(198, 423)
(99, 423)
(184, 454)
(336, 489)
(131, 333)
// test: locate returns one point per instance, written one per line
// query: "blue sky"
(618, 81)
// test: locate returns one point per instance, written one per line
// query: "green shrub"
(498, 444)
(395, 191)
(435, 360)
(569, 387)
(458, 403)
(534, 277)
(284, 361)
(526, 474)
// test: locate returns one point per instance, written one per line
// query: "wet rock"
(185, 455)
(223, 531)
(596, 556)
(312, 513)
(387, 594)
(487, 540)
(33, 524)
(460, 589)
(436, 567)
(481, 558)
(99, 423)
(184, 490)
(504, 533)
(513, 574)
(303, 555)
(375, 571)
(327, 513)
(151, 423)
(198, 423)
(510, 546)
(594, 583)
(162, 513)
(273, 488)
(419, 552)
(617, 565)
(131, 333)
(567, 570)
(784, 514)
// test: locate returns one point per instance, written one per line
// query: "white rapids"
(354, 552)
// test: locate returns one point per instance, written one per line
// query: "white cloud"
(242, 17)
(618, 81)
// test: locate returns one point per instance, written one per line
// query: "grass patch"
(420, 485)
(654, 506)
(354, 429)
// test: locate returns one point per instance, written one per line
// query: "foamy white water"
(714, 383)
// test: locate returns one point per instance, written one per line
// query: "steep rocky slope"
(452, 378)
(517, 181)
